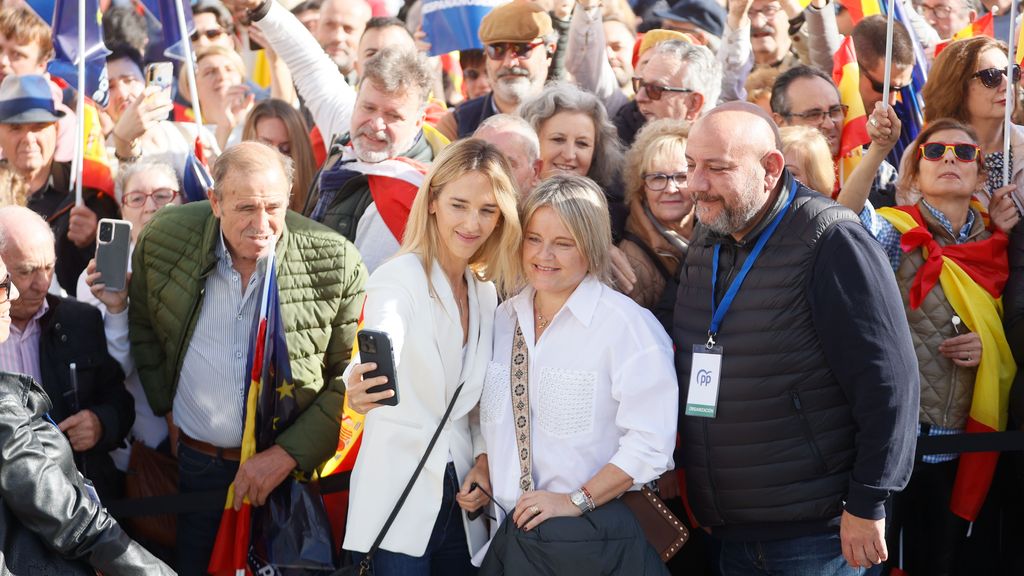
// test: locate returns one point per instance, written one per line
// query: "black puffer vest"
(782, 444)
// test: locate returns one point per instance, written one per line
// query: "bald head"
(20, 226)
(759, 129)
(248, 158)
(518, 142)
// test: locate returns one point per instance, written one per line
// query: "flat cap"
(515, 22)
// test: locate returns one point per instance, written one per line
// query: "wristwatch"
(580, 500)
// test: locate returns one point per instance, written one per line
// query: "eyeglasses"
(210, 34)
(816, 116)
(654, 91)
(5, 287)
(875, 84)
(991, 77)
(160, 196)
(658, 181)
(768, 11)
(936, 151)
(498, 50)
(941, 12)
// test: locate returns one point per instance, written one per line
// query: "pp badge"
(702, 399)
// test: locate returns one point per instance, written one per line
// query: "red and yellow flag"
(1018, 55)
(860, 9)
(981, 27)
(846, 75)
(96, 173)
(972, 288)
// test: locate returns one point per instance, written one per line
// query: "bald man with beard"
(799, 384)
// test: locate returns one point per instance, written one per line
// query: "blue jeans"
(818, 555)
(447, 552)
(197, 531)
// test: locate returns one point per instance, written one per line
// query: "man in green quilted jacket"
(195, 291)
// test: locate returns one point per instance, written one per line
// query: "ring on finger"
(535, 510)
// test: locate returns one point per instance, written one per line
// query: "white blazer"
(426, 335)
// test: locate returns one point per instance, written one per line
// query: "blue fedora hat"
(27, 100)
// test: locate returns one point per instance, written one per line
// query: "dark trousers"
(447, 552)
(197, 531)
(933, 536)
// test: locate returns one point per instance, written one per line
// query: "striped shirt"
(209, 404)
(20, 353)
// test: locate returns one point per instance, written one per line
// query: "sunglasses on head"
(654, 91)
(935, 151)
(210, 34)
(498, 50)
(992, 77)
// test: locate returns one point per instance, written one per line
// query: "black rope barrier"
(1010, 441)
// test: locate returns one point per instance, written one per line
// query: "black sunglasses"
(654, 91)
(211, 34)
(498, 50)
(934, 151)
(5, 287)
(876, 85)
(992, 77)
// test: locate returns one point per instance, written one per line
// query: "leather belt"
(232, 454)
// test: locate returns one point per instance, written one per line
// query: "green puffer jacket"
(320, 280)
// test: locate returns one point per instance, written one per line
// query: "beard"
(373, 156)
(732, 217)
(513, 84)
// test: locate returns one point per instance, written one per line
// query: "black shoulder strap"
(412, 481)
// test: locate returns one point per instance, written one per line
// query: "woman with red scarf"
(951, 265)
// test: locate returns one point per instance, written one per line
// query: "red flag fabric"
(393, 185)
(981, 27)
(859, 9)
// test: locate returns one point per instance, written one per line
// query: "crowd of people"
(624, 246)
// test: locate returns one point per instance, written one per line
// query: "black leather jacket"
(44, 506)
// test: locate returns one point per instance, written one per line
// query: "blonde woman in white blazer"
(436, 301)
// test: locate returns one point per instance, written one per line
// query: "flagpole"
(889, 21)
(80, 127)
(1011, 92)
(190, 63)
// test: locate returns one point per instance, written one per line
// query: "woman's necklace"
(542, 321)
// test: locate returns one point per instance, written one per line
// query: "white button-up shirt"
(602, 389)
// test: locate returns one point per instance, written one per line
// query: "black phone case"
(384, 357)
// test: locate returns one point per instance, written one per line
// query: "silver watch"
(580, 500)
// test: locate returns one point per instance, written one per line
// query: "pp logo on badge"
(704, 378)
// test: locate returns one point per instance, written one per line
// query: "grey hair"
(510, 123)
(249, 157)
(395, 70)
(129, 171)
(564, 97)
(703, 72)
(23, 216)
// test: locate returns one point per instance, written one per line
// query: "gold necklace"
(541, 321)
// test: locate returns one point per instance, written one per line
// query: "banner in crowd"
(453, 24)
(62, 16)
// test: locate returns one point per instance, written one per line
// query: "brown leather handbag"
(664, 531)
(151, 473)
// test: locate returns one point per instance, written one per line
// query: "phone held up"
(113, 250)
(375, 346)
(161, 75)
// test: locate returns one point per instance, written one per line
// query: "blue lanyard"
(718, 312)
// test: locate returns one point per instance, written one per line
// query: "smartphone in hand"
(375, 346)
(113, 250)
(161, 75)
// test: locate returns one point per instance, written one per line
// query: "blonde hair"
(665, 138)
(813, 149)
(203, 53)
(582, 207)
(496, 260)
(13, 188)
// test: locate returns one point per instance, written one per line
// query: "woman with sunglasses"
(661, 216)
(968, 83)
(145, 188)
(951, 266)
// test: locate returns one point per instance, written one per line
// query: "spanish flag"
(860, 9)
(972, 277)
(1018, 55)
(980, 27)
(846, 75)
(96, 173)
